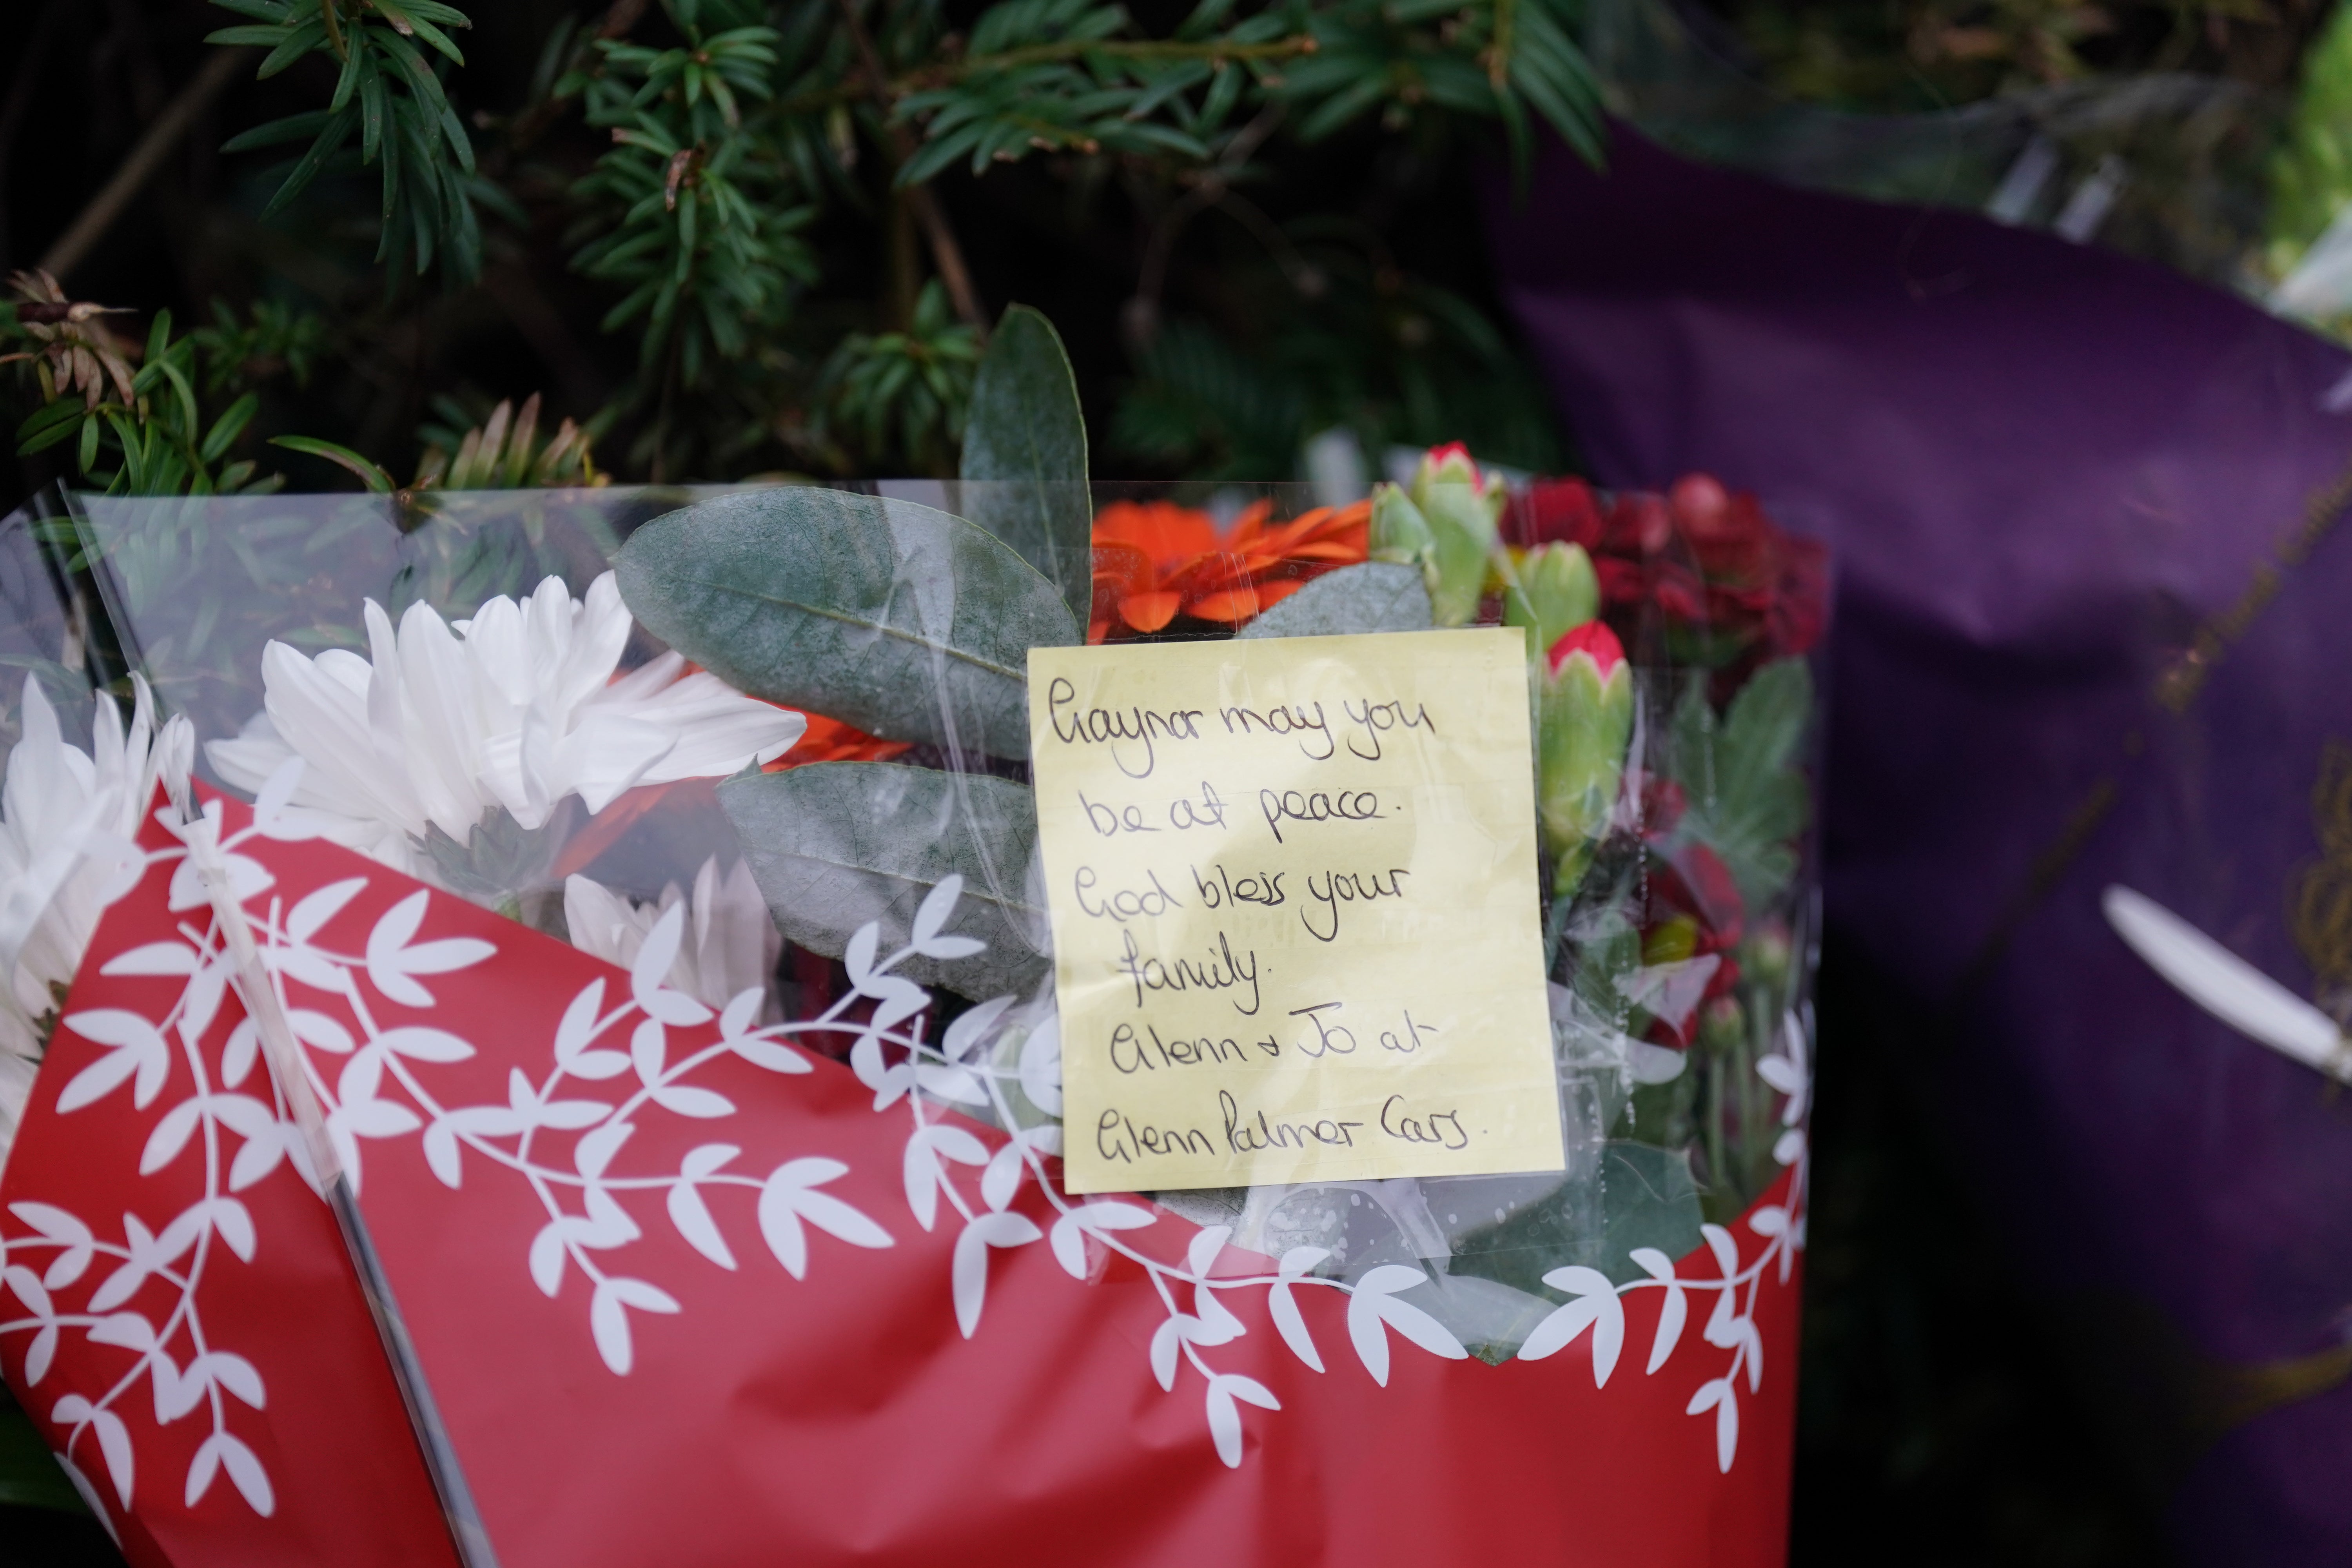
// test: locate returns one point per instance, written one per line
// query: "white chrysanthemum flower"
(515, 709)
(68, 821)
(729, 945)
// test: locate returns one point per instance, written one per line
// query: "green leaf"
(1024, 444)
(1747, 797)
(373, 478)
(1766, 719)
(1374, 597)
(230, 426)
(835, 845)
(908, 623)
(1645, 1197)
(1649, 1198)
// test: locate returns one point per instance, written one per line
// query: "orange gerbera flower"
(828, 740)
(1155, 559)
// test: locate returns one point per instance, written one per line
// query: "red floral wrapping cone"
(691, 1291)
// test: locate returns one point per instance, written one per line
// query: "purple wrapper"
(2048, 472)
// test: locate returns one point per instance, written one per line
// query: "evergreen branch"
(892, 90)
(947, 255)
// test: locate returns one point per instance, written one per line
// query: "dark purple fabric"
(2042, 466)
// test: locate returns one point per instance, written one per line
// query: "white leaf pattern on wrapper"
(155, 958)
(39, 1353)
(1200, 1253)
(970, 1269)
(28, 1289)
(133, 1045)
(76, 1243)
(113, 1441)
(1041, 1066)
(314, 909)
(1596, 1307)
(1671, 1315)
(790, 1196)
(920, 1166)
(394, 958)
(1070, 1231)
(1373, 1309)
(1716, 1396)
(222, 1451)
(128, 1330)
(1283, 1306)
(691, 1215)
(982, 1056)
(608, 1317)
(1224, 1421)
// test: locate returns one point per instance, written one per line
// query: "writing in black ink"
(1346, 888)
(1109, 822)
(1243, 1138)
(1221, 972)
(1375, 719)
(1443, 1128)
(1411, 1039)
(1124, 730)
(1123, 904)
(1222, 887)
(1208, 811)
(1281, 720)
(1118, 1137)
(1330, 1038)
(1278, 806)
(1132, 1053)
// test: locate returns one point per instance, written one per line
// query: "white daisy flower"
(514, 710)
(68, 821)
(730, 946)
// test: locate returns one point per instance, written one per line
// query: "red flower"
(1704, 556)
(1154, 558)
(1696, 883)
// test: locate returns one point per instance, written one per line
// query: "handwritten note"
(1296, 922)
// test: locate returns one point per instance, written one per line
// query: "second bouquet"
(1055, 1026)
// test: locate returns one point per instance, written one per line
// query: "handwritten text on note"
(1296, 922)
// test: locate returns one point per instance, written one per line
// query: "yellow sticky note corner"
(1296, 919)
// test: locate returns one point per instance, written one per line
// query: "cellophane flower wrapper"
(687, 1063)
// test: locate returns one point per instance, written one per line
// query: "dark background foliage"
(1216, 321)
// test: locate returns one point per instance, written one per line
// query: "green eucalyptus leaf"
(835, 845)
(1374, 597)
(1648, 1198)
(908, 622)
(1024, 450)
(1743, 776)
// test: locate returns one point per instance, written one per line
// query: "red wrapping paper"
(791, 1366)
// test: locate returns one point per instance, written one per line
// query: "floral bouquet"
(634, 916)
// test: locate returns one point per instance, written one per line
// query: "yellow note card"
(1296, 922)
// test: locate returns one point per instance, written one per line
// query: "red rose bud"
(1637, 525)
(1554, 511)
(1699, 500)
